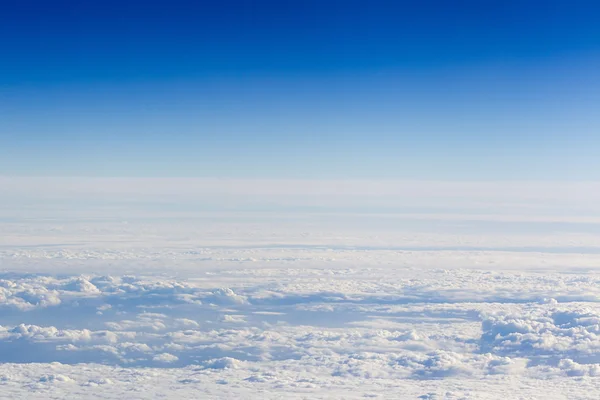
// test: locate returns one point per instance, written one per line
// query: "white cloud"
(165, 358)
(296, 310)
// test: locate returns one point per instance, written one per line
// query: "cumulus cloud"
(165, 358)
(301, 329)
(447, 301)
(539, 332)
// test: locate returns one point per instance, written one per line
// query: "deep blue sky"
(459, 90)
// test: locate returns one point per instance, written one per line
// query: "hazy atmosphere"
(304, 200)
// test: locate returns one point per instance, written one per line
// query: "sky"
(428, 90)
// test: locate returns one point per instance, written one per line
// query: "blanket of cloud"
(174, 302)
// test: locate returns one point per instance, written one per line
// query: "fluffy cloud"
(300, 329)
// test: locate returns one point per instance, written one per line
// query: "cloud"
(557, 201)
(165, 358)
(567, 339)
(294, 331)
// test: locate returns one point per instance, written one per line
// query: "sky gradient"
(466, 90)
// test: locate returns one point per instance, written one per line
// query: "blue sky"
(465, 90)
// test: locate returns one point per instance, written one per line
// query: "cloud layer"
(281, 329)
